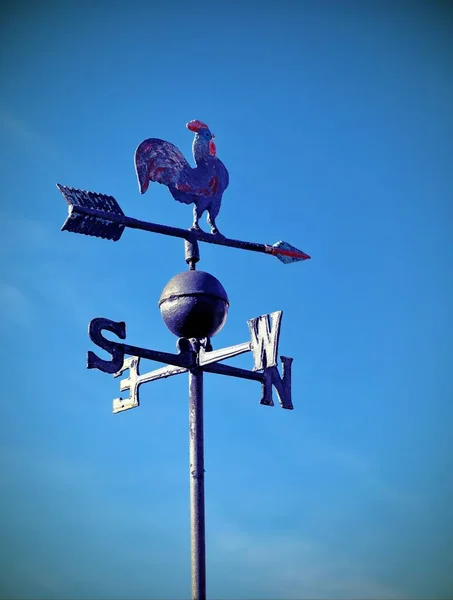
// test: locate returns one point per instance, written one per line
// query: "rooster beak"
(213, 136)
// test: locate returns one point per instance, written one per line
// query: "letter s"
(114, 348)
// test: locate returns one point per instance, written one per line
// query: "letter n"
(282, 384)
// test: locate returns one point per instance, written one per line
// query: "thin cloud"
(28, 233)
(362, 467)
(14, 304)
(53, 281)
(290, 568)
(29, 138)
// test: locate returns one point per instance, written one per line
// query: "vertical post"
(196, 453)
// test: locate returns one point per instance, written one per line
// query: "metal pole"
(197, 516)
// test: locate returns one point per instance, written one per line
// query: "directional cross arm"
(133, 382)
(206, 358)
(185, 360)
(269, 378)
(117, 350)
(234, 372)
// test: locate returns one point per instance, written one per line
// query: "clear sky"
(335, 122)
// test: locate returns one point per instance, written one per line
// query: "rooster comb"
(196, 125)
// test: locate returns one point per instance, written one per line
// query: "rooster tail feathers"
(160, 161)
(142, 167)
(142, 176)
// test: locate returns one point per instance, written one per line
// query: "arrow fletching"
(286, 253)
(93, 225)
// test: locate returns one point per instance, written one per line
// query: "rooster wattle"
(161, 161)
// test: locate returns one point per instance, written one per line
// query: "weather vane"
(194, 305)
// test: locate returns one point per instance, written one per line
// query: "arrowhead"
(287, 253)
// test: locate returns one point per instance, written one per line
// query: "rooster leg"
(211, 222)
(213, 211)
(196, 215)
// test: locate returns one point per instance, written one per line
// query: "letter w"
(265, 339)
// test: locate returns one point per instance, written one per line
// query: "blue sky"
(335, 122)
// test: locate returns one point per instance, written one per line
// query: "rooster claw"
(216, 232)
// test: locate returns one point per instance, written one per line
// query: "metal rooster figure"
(162, 162)
(100, 215)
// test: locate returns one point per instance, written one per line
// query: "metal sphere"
(194, 304)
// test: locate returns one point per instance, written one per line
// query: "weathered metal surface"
(197, 511)
(135, 380)
(264, 339)
(198, 283)
(105, 218)
(269, 379)
(118, 350)
(233, 372)
(263, 344)
(206, 358)
(131, 384)
(191, 252)
(162, 162)
(88, 224)
(286, 253)
(115, 349)
(193, 344)
(194, 304)
(281, 384)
